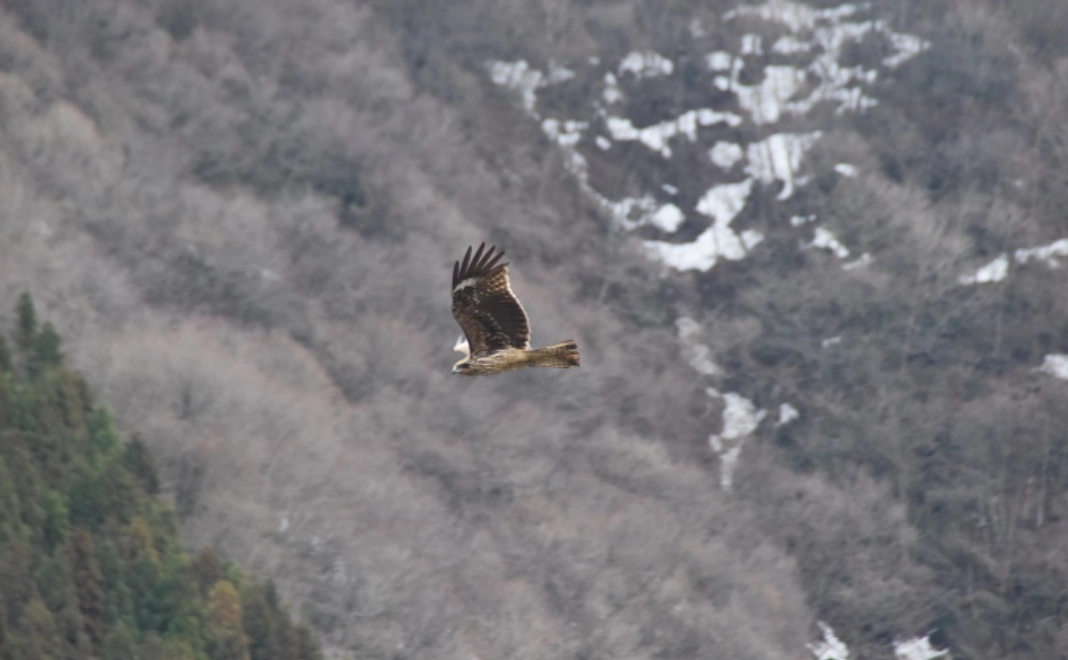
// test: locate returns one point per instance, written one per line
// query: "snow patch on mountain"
(778, 158)
(1055, 365)
(647, 64)
(520, 77)
(917, 648)
(740, 420)
(827, 241)
(725, 154)
(1046, 253)
(846, 169)
(998, 269)
(995, 271)
(696, 353)
(564, 133)
(787, 414)
(657, 136)
(722, 204)
(830, 648)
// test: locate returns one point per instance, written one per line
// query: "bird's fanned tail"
(562, 355)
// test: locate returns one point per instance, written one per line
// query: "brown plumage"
(495, 325)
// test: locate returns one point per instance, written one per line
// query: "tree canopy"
(90, 560)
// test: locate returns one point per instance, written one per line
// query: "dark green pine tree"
(25, 480)
(120, 644)
(88, 582)
(63, 402)
(25, 323)
(56, 588)
(207, 570)
(54, 581)
(37, 635)
(5, 636)
(119, 599)
(7, 364)
(16, 576)
(74, 643)
(139, 461)
(44, 353)
(56, 519)
(260, 625)
(154, 648)
(99, 493)
(10, 517)
(7, 400)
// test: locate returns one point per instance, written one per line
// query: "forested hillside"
(90, 560)
(813, 254)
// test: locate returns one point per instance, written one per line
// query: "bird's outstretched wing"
(483, 303)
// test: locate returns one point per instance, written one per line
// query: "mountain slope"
(244, 215)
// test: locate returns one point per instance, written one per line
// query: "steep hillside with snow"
(747, 152)
(812, 252)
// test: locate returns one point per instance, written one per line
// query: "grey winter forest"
(814, 254)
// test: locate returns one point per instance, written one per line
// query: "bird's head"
(463, 367)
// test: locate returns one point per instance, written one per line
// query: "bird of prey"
(496, 330)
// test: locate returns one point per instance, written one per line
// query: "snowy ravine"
(803, 70)
(813, 44)
(916, 648)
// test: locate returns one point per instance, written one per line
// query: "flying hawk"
(495, 326)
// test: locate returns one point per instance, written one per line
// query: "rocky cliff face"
(810, 253)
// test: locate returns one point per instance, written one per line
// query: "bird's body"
(494, 323)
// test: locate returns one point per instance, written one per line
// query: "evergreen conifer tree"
(44, 351)
(88, 585)
(140, 463)
(26, 323)
(6, 362)
(37, 636)
(120, 644)
(10, 522)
